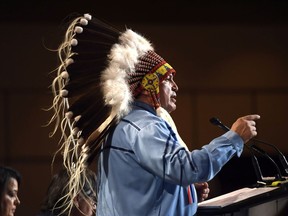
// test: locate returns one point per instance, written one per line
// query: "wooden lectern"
(257, 201)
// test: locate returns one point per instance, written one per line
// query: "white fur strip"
(123, 58)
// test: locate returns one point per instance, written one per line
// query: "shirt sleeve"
(157, 149)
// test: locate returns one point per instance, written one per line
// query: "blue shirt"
(143, 170)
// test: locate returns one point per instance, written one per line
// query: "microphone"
(260, 178)
(256, 166)
(217, 122)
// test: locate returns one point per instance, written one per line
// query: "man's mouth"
(173, 98)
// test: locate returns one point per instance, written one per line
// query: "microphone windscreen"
(214, 121)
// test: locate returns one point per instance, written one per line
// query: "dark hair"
(5, 174)
(55, 200)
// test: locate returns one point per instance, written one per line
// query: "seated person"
(55, 202)
(9, 182)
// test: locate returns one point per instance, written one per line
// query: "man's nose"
(175, 86)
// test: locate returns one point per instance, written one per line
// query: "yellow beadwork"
(151, 81)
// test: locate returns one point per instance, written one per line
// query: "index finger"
(251, 117)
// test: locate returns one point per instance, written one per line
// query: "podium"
(255, 201)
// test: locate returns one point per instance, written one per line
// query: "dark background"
(230, 57)
(150, 11)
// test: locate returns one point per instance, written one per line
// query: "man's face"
(9, 200)
(168, 89)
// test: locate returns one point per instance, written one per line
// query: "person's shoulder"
(142, 119)
(142, 115)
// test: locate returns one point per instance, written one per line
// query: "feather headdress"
(102, 70)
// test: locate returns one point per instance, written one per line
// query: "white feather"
(123, 58)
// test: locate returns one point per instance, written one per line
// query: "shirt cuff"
(236, 141)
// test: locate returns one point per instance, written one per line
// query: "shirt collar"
(145, 106)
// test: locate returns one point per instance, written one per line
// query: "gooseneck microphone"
(256, 166)
(253, 147)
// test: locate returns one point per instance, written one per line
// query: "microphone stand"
(281, 156)
(278, 176)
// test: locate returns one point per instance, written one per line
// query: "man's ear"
(145, 97)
